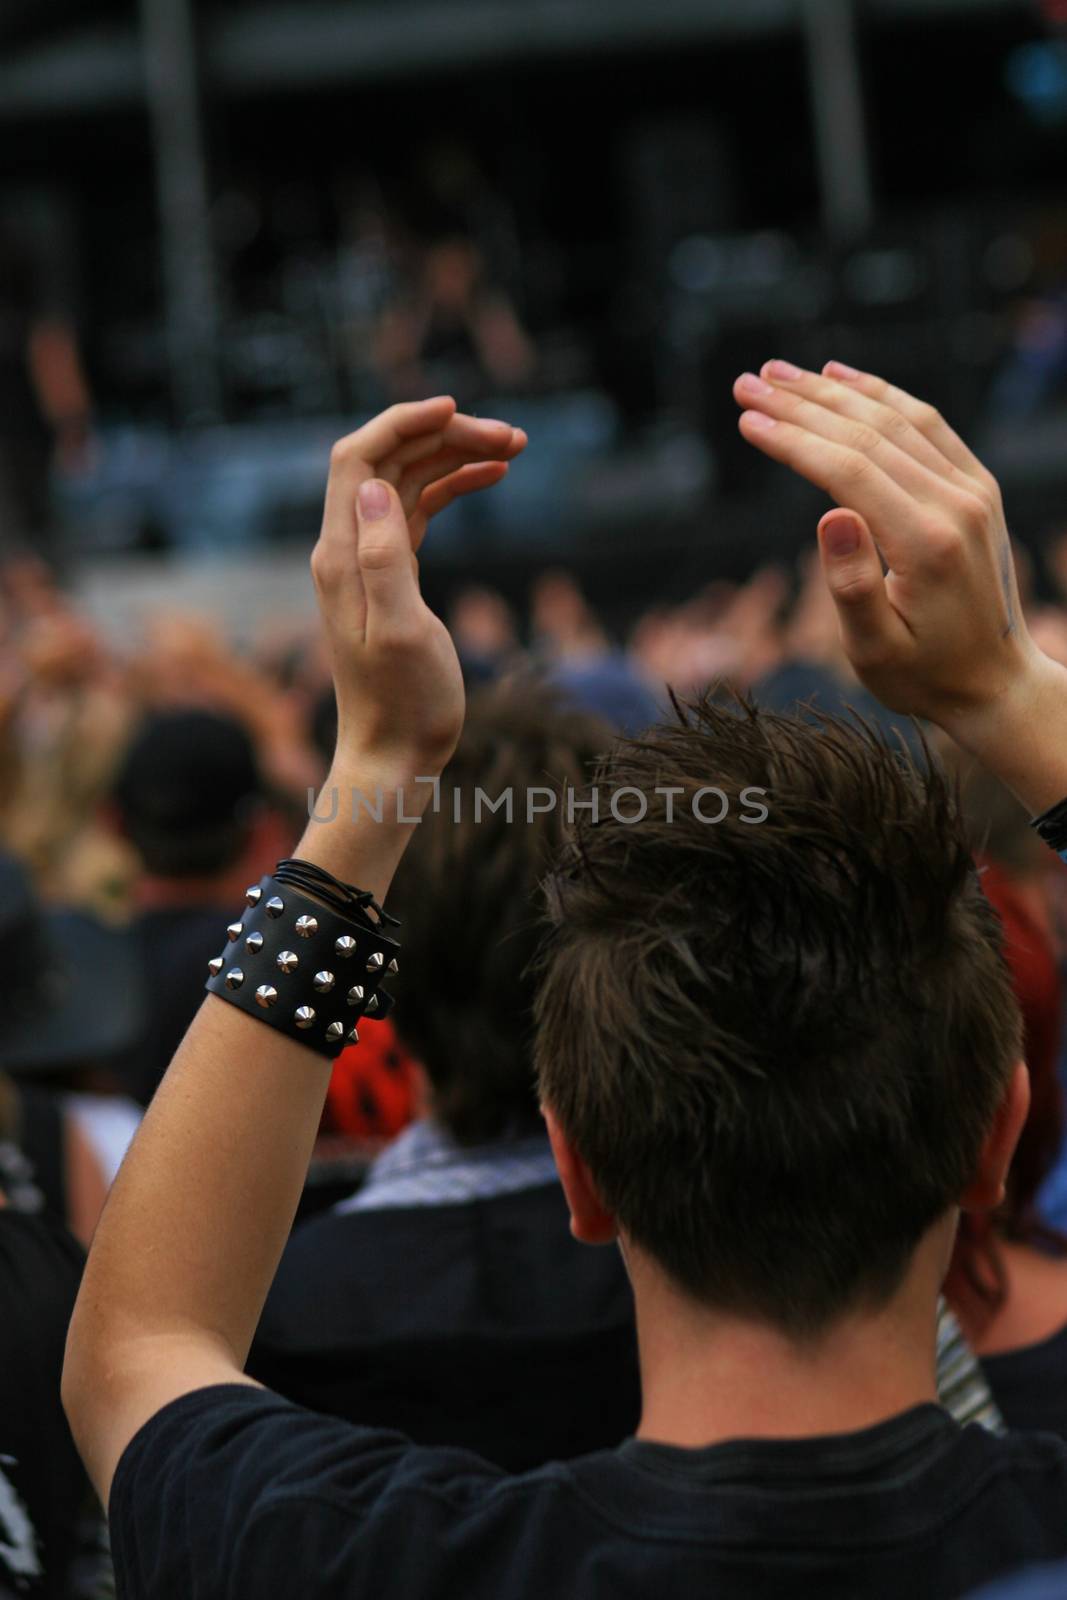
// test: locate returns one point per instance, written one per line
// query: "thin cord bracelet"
(343, 897)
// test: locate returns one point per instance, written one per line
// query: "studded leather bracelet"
(302, 966)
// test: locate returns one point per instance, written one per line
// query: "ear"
(987, 1188)
(589, 1221)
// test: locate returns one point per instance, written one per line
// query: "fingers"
(470, 438)
(389, 579)
(870, 627)
(859, 414)
(444, 462)
(354, 459)
(790, 406)
(391, 429)
(850, 476)
(924, 418)
(467, 480)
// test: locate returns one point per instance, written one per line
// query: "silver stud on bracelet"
(215, 966)
(376, 962)
(372, 1005)
(392, 967)
(353, 1037)
(345, 946)
(275, 907)
(288, 961)
(323, 982)
(355, 995)
(266, 995)
(335, 1031)
(234, 978)
(254, 943)
(304, 1016)
(254, 895)
(307, 927)
(234, 931)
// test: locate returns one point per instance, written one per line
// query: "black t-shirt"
(1030, 1385)
(483, 1325)
(233, 1492)
(43, 1490)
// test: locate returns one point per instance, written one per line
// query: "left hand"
(940, 633)
(397, 678)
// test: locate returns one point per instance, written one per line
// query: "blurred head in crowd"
(467, 894)
(777, 1055)
(188, 794)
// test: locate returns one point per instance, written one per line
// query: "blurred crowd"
(145, 783)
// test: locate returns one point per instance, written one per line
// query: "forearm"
(191, 1236)
(192, 1233)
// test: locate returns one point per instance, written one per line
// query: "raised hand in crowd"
(151, 1326)
(919, 562)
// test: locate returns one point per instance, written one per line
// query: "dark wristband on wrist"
(303, 967)
(1051, 825)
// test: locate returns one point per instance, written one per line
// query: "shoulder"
(218, 1485)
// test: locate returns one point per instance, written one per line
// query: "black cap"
(186, 788)
(187, 769)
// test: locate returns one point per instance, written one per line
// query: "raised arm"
(191, 1235)
(919, 563)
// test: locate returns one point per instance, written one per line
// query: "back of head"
(777, 1044)
(467, 892)
(187, 791)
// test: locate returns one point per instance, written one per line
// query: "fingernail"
(838, 369)
(784, 370)
(373, 500)
(759, 420)
(748, 383)
(841, 536)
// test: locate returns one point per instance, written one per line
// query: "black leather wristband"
(1052, 826)
(301, 967)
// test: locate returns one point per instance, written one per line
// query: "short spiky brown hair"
(777, 1045)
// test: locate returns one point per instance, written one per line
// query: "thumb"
(852, 568)
(385, 560)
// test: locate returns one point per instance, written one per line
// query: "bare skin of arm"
(196, 1221)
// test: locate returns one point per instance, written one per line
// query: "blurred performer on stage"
(45, 406)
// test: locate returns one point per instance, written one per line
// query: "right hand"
(398, 683)
(941, 633)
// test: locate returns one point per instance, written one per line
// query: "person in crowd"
(69, 1005)
(519, 1345)
(45, 405)
(775, 1059)
(578, 658)
(1007, 1282)
(551, 1372)
(189, 797)
(73, 1008)
(482, 625)
(44, 1493)
(456, 327)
